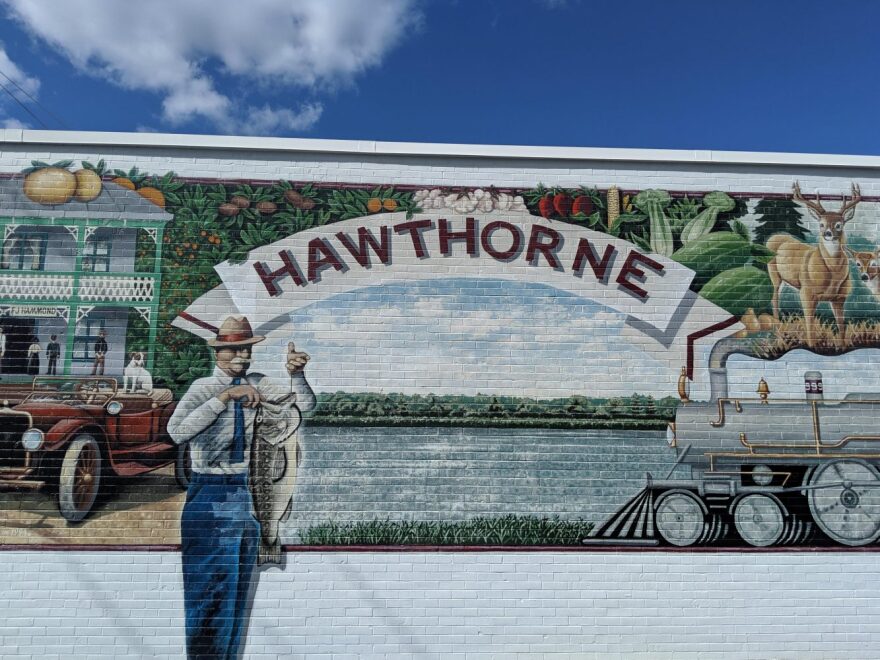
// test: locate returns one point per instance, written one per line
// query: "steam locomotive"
(772, 472)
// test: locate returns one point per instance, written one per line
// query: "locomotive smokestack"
(721, 351)
(718, 383)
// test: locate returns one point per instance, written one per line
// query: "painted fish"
(275, 456)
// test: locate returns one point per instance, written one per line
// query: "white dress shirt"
(209, 424)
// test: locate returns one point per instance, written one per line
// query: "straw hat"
(235, 331)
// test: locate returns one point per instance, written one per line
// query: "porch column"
(154, 304)
(74, 315)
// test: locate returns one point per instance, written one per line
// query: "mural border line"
(593, 549)
(699, 334)
(202, 324)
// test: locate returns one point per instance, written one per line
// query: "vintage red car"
(67, 433)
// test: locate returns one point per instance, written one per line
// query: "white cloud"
(29, 84)
(181, 50)
(12, 122)
(9, 68)
(265, 120)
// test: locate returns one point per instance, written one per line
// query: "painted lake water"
(452, 474)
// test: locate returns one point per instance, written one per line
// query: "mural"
(143, 316)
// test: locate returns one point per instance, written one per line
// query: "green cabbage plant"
(652, 202)
(713, 204)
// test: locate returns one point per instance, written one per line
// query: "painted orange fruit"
(390, 204)
(152, 194)
(125, 182)
(374, 205)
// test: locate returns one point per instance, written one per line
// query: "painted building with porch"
(72, 270)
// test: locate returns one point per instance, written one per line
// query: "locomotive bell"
(813, 386)
(763, 390)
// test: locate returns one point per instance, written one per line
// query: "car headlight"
(114, 407)
(671, 440)
(32, 439)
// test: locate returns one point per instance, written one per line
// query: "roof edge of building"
(423, 149)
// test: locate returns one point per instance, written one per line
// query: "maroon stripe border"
(699, 334)
(411, 187)
(202, 324)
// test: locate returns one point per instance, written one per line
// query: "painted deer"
(868, 265)
(819, 272)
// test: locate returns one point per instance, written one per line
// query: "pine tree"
(777, 216)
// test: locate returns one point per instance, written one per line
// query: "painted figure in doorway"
(100, 349)
(2, 348)
(53, 350)
(33, 357)
(219, 534)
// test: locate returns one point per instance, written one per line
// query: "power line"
(44, 108)
(23, 106)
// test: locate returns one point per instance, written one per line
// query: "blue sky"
(748, 75)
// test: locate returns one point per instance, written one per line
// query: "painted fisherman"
(219, 533)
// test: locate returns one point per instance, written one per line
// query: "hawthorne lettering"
(544, 248)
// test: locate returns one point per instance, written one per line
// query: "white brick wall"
(460, 605)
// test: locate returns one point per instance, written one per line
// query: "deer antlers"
(816, 207)
(845, 212)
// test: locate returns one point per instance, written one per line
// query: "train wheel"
(844, 499)
(760, 519)
(680, 517)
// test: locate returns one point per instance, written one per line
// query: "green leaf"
(641, 242)
(759, 250)
(740, 228)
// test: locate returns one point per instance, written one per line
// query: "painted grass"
(510, 530)
(790, 334)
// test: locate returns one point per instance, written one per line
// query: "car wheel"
(80, 478)
(183, 466)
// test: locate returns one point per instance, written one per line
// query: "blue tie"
(237, 455)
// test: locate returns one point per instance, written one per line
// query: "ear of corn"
(613, 205)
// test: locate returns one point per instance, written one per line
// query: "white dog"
(136, 376)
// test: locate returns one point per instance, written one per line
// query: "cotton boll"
(518, 204)
(465, 205)
(503, 202)
(485, 205)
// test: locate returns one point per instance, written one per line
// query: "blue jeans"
(219, 543)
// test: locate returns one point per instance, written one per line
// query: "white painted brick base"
(460, 605)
